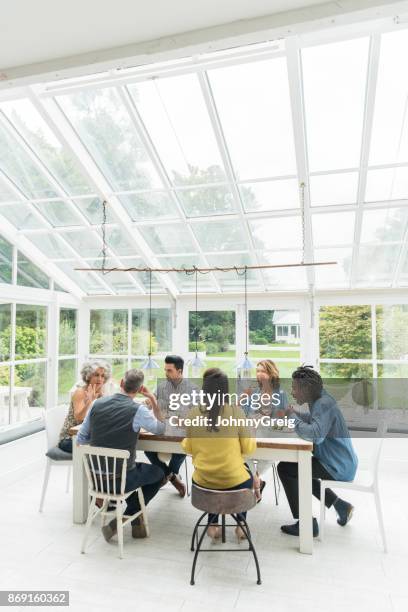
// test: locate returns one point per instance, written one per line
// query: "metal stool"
(222, 502)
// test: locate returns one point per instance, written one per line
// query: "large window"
(367, 342)
(121, 337)
(67, 350)
(275, 334)
(23, 362)
(215, 338)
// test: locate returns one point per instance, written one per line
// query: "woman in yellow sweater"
(218, 445)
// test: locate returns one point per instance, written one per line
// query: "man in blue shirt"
(333, 455)
(115, 422)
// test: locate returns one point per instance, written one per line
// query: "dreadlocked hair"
(310, 380)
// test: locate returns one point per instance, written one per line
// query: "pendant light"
(196, 364)
(245, 367)
(149, 364)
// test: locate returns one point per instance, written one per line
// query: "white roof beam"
(372, 76)
(299, 133)
(229, 170)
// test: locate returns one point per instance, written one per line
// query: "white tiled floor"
(349, 569)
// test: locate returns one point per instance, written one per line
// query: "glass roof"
(201, 164)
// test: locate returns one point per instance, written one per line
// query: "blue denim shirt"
(325, 426)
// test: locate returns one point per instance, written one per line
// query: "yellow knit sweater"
(218, 456)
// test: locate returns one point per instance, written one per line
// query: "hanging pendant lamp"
(245, 366)
(149, 364)
(197, 364)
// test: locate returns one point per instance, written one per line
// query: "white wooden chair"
(54, 419)
(98, 463)
(366, 481)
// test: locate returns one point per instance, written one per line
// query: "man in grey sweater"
(115, 422)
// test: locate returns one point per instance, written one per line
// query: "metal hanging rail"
(208, 270)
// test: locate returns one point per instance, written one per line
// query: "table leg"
(305, 502)
(79, 485)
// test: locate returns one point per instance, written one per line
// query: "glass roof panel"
(283, 278)
(186, 282)
(328, 189)
(6, 193)
(169, 239)
(41, 138)
(387, 184)
(143, 277)
(93, 210)
(151, 205)
(119, 281)
(85, 280)
(254, 107)
(337, 275)
(6, 260)
(174, 112)
(333, 228)
(270, 195)
(389, 140)
(220, 235)
(29, 275)
(207, 201)
(334, 77)
(376, 264)
(84, 243)
(59, 213)
(384, 225)
(110, 136)
(17, 165)
(51, 245)
(118, 241)
(277, 233)
(21, 216)
(235, 280)
(403, 279)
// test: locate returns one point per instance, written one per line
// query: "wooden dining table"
(281, 447)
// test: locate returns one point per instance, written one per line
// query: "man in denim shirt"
(333, 455)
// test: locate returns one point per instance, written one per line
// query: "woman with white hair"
(95, 376)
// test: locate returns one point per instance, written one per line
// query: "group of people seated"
(220, 452)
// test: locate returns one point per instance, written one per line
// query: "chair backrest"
(222, 502)
(54, 420)
(105, 469)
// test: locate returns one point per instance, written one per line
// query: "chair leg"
(244, 526)
(45, 484)
(143, 509)
(196, 553)
(119, 527)
(89, 520)
(223, 538)
(68, 479)
(275, 483)
(187, 484)
(103, 510)
(380, 517)
(322, 512)
(195, 529)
